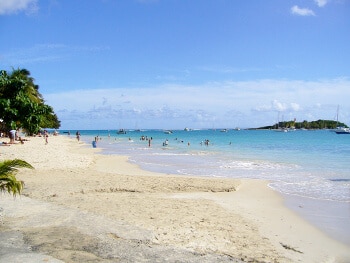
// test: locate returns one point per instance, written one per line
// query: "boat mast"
(337, 116)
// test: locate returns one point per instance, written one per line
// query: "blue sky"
(110, 64)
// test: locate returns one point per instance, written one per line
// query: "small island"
(308, 125)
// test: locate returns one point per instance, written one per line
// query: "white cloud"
(295, 106)
(278, 106)
(296, 10)
(15, 6)
(221, 104)
(321, 3)
(47, 53)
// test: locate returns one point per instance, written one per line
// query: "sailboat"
(280, 129)
(337, 127)
(340, 130)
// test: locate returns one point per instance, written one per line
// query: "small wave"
(149, 164)
(169, 154)
(202, 153)
(251, 165)
(315, 189)
(340, 180)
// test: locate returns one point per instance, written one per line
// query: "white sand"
(80, 206)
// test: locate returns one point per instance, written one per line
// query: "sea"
(310, 168)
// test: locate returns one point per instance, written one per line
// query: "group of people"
(206, 142)
(15, 137)
(165, 143)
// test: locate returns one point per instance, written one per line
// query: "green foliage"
(319, 124)
(50, 121)
(22, 105)
(8, 181)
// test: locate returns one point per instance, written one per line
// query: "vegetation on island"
(8, 180)
(313, 125)
(22, 105)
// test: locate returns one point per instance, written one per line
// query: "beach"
(81, 206)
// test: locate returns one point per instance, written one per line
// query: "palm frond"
(11, 184)
(8, 181)
(10, 166)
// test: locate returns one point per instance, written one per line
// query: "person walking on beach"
(12, 136)
(78, 135)
(46, 137)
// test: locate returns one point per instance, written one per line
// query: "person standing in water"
(78, 135)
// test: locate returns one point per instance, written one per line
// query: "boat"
(121, 131)
(168, 132)
(281, 130)
(224, 130)
(342, 130)
(278, 128)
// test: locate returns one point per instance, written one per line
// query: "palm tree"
(21, 104)
(29, 88)
(8, 180)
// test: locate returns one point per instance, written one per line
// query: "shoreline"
(324, 217)
(297, 203)
(206, 219)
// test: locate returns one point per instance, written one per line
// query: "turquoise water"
(299, 164)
